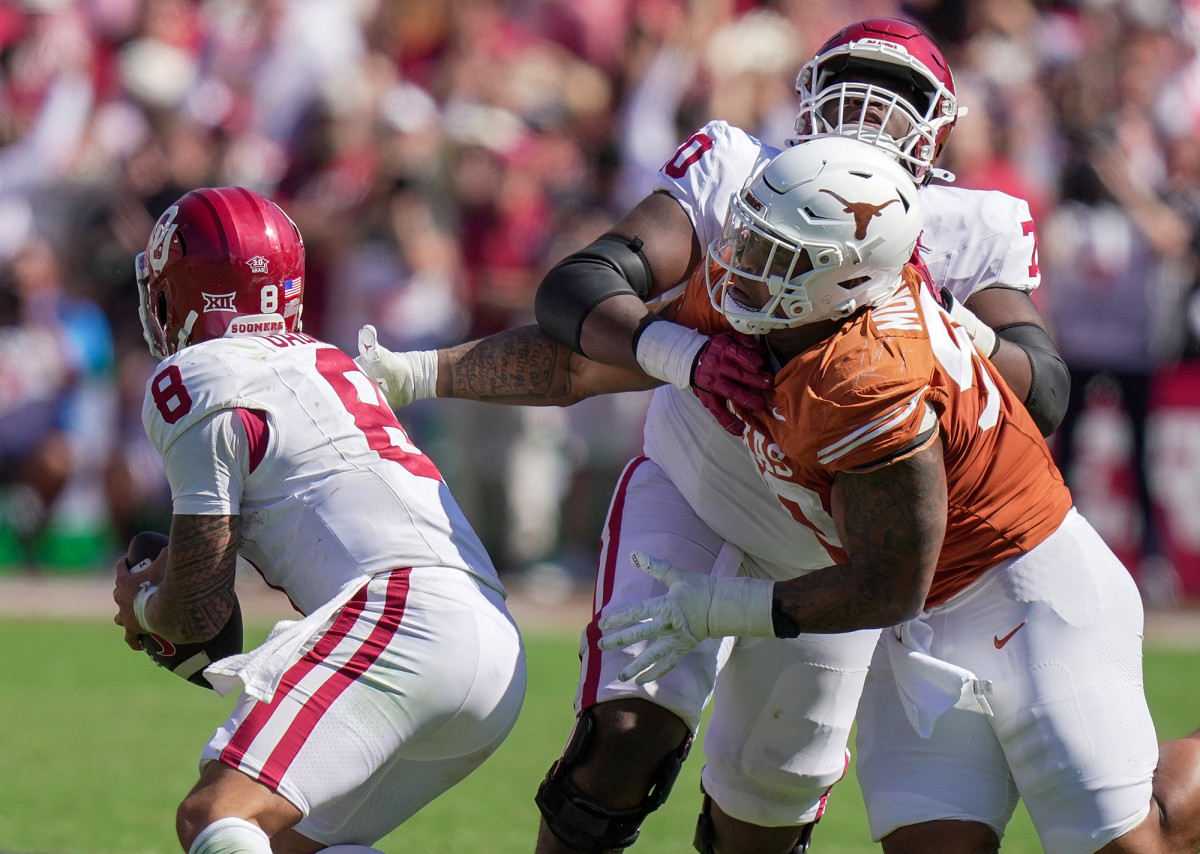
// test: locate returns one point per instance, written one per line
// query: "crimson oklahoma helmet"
(885, 82)
(221, 261)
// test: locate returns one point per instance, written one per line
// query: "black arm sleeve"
(584, 279)
(1051, 385)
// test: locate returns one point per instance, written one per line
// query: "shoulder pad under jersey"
(223, 373)
(976, 239)
(707, 169)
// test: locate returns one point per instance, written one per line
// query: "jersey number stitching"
(170, 394)
(687, 154)
(1027, 229)
(383, 432)
(372, 417)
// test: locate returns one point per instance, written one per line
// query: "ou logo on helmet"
(160, 239)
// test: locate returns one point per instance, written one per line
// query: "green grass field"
(97, 747)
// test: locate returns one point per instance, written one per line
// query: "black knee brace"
(705, 839)
(582, 822)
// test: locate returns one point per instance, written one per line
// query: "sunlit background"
(440, 155)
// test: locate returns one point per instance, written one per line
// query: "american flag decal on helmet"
(291, 287)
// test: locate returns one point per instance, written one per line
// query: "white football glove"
(403, 377)
(982, 335)
(695, 607)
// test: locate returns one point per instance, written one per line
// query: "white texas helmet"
(828, 225)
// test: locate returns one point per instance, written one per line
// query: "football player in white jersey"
(406, 671)
(782, 709)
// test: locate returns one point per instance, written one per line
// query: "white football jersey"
(972, 239)
(333, 489)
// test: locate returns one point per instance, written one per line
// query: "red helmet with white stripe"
(885, 82)
(221, 261)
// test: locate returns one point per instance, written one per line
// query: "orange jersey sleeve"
(692, 307)
(862, 397)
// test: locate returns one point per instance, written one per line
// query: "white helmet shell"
(827, 225)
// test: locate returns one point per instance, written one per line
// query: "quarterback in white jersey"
(781, 709)
(406, 670)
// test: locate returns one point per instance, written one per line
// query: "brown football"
(184, 660)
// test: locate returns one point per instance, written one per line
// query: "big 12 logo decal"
(160, 239)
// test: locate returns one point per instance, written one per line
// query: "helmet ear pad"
(216, 255)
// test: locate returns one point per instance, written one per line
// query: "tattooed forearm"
(519, 366)
(526, 367)
(891, 523)
(833, 600)
(197, 594)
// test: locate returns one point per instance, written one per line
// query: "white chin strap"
(942, 175)
(148, 336)
(185, 332)
(845, 309)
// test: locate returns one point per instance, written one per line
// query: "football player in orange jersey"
(1010, 662)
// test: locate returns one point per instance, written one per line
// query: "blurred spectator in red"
(980, 157)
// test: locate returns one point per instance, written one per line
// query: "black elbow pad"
(1051, 386)
(584, 279)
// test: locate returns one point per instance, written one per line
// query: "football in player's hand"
(184, 660)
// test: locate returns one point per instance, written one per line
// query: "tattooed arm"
(196, 596)
(526, 367)
(891, 521)
(195, 581)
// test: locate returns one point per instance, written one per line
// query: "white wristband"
(139, 604)
(424, 373)
(983, 336)
(667, 351)
(741, 607)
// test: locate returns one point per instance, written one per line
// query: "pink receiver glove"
(731, 367)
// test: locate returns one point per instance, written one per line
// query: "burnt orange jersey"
(861, 396)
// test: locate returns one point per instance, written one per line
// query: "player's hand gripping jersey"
(328, 465)
(972, 239)
(867, 393)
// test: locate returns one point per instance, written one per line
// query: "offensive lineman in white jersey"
(407, 670)
(782, 710)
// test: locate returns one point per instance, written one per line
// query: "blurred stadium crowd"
(440, 155)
